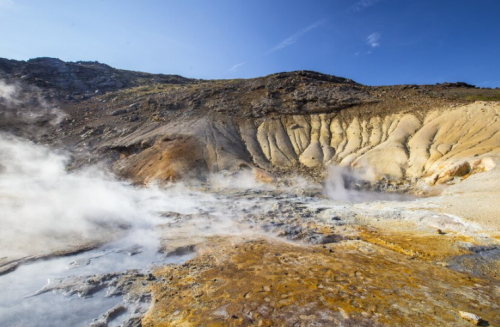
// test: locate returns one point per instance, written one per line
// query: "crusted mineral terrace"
(295, 199)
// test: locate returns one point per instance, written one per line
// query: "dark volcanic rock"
(80, 76)
(458, 85)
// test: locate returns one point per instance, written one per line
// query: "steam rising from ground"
(44, 207)
(339, 186)
(7, 93)
(240, 180)
(24, 102)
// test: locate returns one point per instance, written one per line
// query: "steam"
(340, 186)
(45, 208)
(240, 180)
(8, 93)
(25, 103)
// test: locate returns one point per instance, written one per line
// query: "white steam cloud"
(340, 180)
(7, 93)
(45, 208)
(239, 180)
(25, 103)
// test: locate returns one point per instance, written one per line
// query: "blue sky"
(374, 42)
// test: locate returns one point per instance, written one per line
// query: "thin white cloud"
(363, 4)
(293, 38)
(283, 44)
(373, 40)
(235, 67)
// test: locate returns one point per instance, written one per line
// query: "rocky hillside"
(165, 127)
(80, 76)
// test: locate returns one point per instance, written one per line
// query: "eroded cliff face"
(435, 147)
(441, 143)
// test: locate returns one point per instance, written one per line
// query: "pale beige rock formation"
(435, 147)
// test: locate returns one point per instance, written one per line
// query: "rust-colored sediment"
(167, 160)
(271, 283)
(418, 245)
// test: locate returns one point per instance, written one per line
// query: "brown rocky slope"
(298, 121)
(163, 127)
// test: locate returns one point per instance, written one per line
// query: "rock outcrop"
(80, 76)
